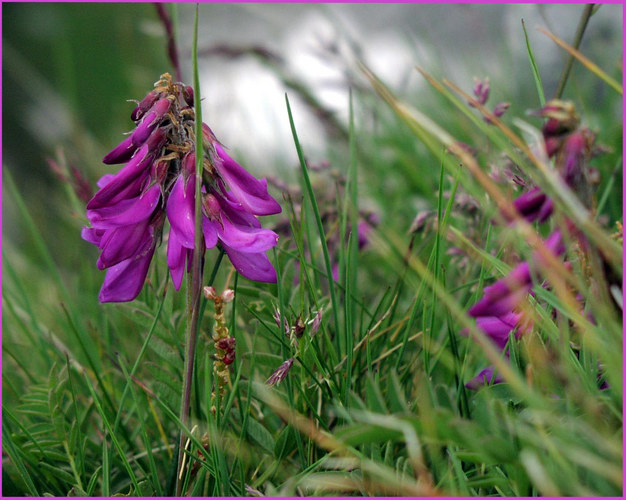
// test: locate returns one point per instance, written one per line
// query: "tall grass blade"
(320, 227)
(587, 63)
(535, 69)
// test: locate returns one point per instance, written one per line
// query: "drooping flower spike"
(157, 183)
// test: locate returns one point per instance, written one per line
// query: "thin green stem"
(580, 31)
(195, 282)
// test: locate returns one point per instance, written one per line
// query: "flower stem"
(580, 31)
(195, 289)
(172, 49)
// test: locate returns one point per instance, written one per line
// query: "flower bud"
(226, 344)
(299, 327)
(562, 117)
(317, 321)
(228, 295)
(188, 94)
(121, 153)
(481, 90)
(209, 292)
(280, 373)
(189, 164)
(145, 104)
(211, 206)
(501, 108)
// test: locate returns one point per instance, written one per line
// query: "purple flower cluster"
(570, 147)
(498, 312)
(127, 215)
(481, 90)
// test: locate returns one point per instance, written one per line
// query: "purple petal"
(546, 210)
(555, 243)
(235, 212)
(121, 153)
(530, 201)
(150, 122)
(124, 281)
(145, 104)
(574, 154)
(156, 141)
(209, 229)
(363, 232)
(498, 328)
(335, 271)
(249, 191)
(104, 180)
(534, 205)
(92, 235)
(126, 212)
(181, 210)
(505, 294)
(501, 108)
(123, 243)
(254, 266)
(176, 256)
(125, 183)
(246, 239)
(485, 377)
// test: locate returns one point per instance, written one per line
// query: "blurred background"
(70, 68)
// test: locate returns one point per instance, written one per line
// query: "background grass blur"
(374, 403)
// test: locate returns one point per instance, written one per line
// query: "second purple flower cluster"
(498, 313)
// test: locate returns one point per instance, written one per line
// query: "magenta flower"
(481, 90)
(280, 373)
(498, 328)
(486, 376)
(534, 205)
(127, 215)
(504, 295)
(498, 312)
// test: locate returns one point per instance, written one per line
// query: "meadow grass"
(375, 401)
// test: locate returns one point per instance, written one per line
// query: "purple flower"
(128, 213)
(498, 328)
(487, 376)
(504, 295)
(250, 193)
(280, 373)
(498, 111)
(498, 313)
(534, 205)
(481, 90)
(317, 322)
(501, 108)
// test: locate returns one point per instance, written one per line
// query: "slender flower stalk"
(224, 343)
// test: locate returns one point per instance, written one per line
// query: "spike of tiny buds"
(224, 343)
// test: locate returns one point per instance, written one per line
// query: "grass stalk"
(578, 38)
(318, 220)
(194, 292)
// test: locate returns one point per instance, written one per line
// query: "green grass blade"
(12, 451)
(320, 228)
(142, 419)
(535, 69)
(114, 440)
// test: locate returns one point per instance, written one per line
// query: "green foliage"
(375, 402)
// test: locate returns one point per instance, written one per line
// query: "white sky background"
(243, 101)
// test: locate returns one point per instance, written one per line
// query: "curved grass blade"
(535, 69)
(591, 66)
